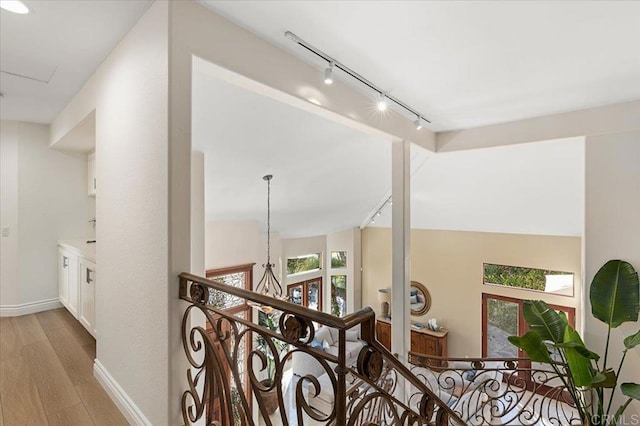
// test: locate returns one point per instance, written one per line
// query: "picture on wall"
(339, 295)
(338, 259)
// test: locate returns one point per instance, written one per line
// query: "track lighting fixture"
(418, 123)
(382, 102)
(378, 213)
(328, 74)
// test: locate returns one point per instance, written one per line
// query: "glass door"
(307, 293)
(296, 294)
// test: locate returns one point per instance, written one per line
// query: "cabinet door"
(383, 334)
(88, 295)
(417, 344)
(63, 277)
(73, 279)
(431, 346)
(91, 174)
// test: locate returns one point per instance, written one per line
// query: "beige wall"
(612, 231)
(449, 264)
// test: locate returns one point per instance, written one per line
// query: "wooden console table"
(422, 341)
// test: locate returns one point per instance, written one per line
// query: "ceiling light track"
(337, 64)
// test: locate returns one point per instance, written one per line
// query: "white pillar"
(401, 229)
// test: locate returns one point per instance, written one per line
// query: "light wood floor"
(46, 373)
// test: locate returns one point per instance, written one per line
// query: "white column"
(401, 228)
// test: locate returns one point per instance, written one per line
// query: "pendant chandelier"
(268, 284)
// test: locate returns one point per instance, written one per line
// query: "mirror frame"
(427, 299)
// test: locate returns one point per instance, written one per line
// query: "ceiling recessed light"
(15, 6)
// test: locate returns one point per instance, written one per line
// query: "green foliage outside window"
(503, 315)
(515, 276)
(296, 265)
(338, 295)
(338, 259)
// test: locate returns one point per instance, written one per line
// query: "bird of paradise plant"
(615, 299)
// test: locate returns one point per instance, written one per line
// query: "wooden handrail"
(343, 323)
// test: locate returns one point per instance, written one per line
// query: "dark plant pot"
(269, 398)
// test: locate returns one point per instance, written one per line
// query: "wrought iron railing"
(489, 391)
(362, 386)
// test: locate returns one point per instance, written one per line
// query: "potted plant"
(615, 299)
(270, 397)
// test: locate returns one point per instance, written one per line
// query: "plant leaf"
(632, 341)
(533, 345)
(581, 349)
(632, 390)
(579, 366)
(606, 379)
(544, 320)
(615, 294)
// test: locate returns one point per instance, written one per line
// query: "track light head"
(328, 74)
(382, 102)
(418, 123)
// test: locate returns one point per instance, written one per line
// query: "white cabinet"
(91, 175)
(68, 280)
(77, 282)
(87, 315)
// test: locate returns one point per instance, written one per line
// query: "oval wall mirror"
(419, 298)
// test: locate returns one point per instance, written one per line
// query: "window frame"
(308, 271)
(523, 327)
(331, 290)
(305, 291)
(490, 284)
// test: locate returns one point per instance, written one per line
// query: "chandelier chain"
(268, 221)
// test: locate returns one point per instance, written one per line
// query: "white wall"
(232, 243)
(349, 241)
(44, 199)
(129, 93)
(612, 231)
(9, 213)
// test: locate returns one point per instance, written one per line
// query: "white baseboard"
(126, 406)
(29, 308)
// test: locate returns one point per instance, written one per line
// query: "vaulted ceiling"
(328, 177)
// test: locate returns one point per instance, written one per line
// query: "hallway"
(46, 373)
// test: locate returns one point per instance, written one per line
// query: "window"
(339, 295)
(555, 282)
(338, 259)
(307, 293)
(503, 317)
(305, 263)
